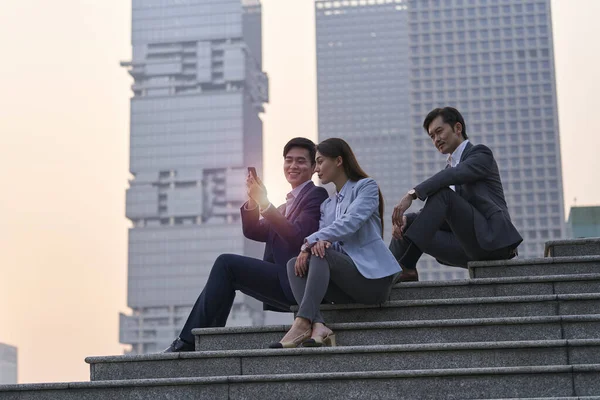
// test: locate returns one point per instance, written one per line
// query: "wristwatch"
(305, 248)
(412, 193)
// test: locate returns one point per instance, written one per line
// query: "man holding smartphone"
(282, 229)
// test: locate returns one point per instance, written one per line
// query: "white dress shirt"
(454, 158)
(291, 197)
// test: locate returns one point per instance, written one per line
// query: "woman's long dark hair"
(336, 147)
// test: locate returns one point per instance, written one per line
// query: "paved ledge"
(305, 377)
(570, 242)
(550, 398)
(459, 383)
(347, 350)
(472, 300)
(535, 267)
(572, 247)
(397, 324)
(574, 325)
(500, 285)
(534, 261)
(493, 281)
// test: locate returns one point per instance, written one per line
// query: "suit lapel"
(301, 195)
(466, 151)
(329, 214)
(468, 148)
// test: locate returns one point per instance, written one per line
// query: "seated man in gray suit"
(465, 217)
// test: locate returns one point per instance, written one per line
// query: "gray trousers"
(334, 279)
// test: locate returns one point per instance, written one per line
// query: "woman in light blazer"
(346, 260)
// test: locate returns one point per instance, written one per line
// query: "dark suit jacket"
(284, 235)
(477, 180)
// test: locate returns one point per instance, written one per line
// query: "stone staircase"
(517, 329)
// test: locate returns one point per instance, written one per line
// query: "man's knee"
(442, 198)
(225, 259)
(442, 193)
(223, 262)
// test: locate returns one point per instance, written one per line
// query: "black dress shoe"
(178, 346)
(407, 275)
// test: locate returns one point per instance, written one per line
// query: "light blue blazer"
(358, 230)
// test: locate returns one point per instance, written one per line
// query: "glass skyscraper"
(491, 59)
(363, 89)
(197, 94)
(8, 364)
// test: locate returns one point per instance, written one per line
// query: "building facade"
(363, 89)
(584, 222)
(493, 60)
(197, 94)
(8, 364)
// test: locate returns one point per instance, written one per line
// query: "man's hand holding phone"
(256, 189)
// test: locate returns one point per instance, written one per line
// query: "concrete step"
(477, 307)
(573, 247)
(448, 384)
(535, 267)
(552, 398)
(345, 359)
(414, 332)
(493, 287)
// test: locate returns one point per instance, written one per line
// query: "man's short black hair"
(303, 143)
(449, 115)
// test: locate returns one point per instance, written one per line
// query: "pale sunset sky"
(64, 125)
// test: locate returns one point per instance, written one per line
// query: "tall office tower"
(8, 364)
(494, 61)
(363, 89)
(195, 127)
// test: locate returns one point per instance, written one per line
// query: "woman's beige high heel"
(295, 342)
(328, 341)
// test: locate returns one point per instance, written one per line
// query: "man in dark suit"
(283, 229)
(465, 217)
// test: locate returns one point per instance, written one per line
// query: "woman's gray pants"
(335, 279)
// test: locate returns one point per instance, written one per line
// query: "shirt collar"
(340, 195)
(296, 191)
(457, 154)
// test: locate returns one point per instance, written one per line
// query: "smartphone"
(252, 171)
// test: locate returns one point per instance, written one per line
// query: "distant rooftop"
(585, 215)
(8, 353)
(584, 222)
